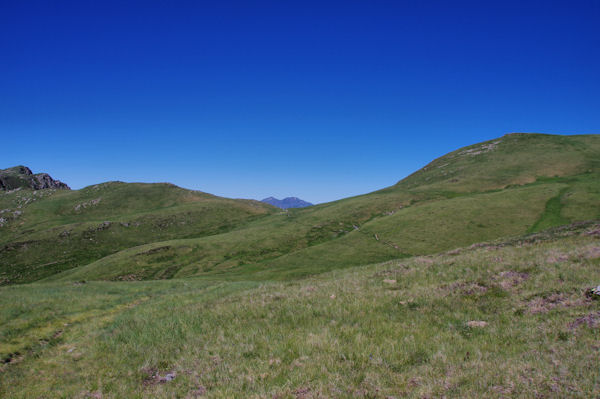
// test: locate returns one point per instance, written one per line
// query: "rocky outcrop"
(289, 202)
(23, 177)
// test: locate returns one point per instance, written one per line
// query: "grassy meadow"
(501, 319)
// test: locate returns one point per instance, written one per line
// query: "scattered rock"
(168, 377)
(9, 215)
(87, 204)
(22, 177)
(153, 377)
(332, 296)
(103, 226)
(593, 293)
(481, 149)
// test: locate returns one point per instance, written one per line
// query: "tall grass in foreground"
(499, 320)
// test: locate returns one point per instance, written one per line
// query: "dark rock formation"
(23, 177)
(289, 202)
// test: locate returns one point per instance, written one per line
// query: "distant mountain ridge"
(22, 177)
(289, 202)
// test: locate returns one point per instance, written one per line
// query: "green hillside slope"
(512, 185)
(516, 158)
(503, 319)
(53, 230)
(403, 220)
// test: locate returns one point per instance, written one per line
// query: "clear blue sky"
(319, 100)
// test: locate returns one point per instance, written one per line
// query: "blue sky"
(320, 100)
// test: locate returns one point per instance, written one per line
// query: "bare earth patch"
(592, 253)
(545, 304)
(592, 320)
(593, 233)
(509, 279)
(557, 257)
(302, 393)
(466, 288)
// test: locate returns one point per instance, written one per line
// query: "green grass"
(503, 187)
(517, 158)
(109, 288)
(552, 213)
(278, 246)
(52, 234)
(352, 333)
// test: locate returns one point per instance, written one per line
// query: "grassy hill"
(513, 159)
(517, 184)
(455, 282)
(49, 231)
